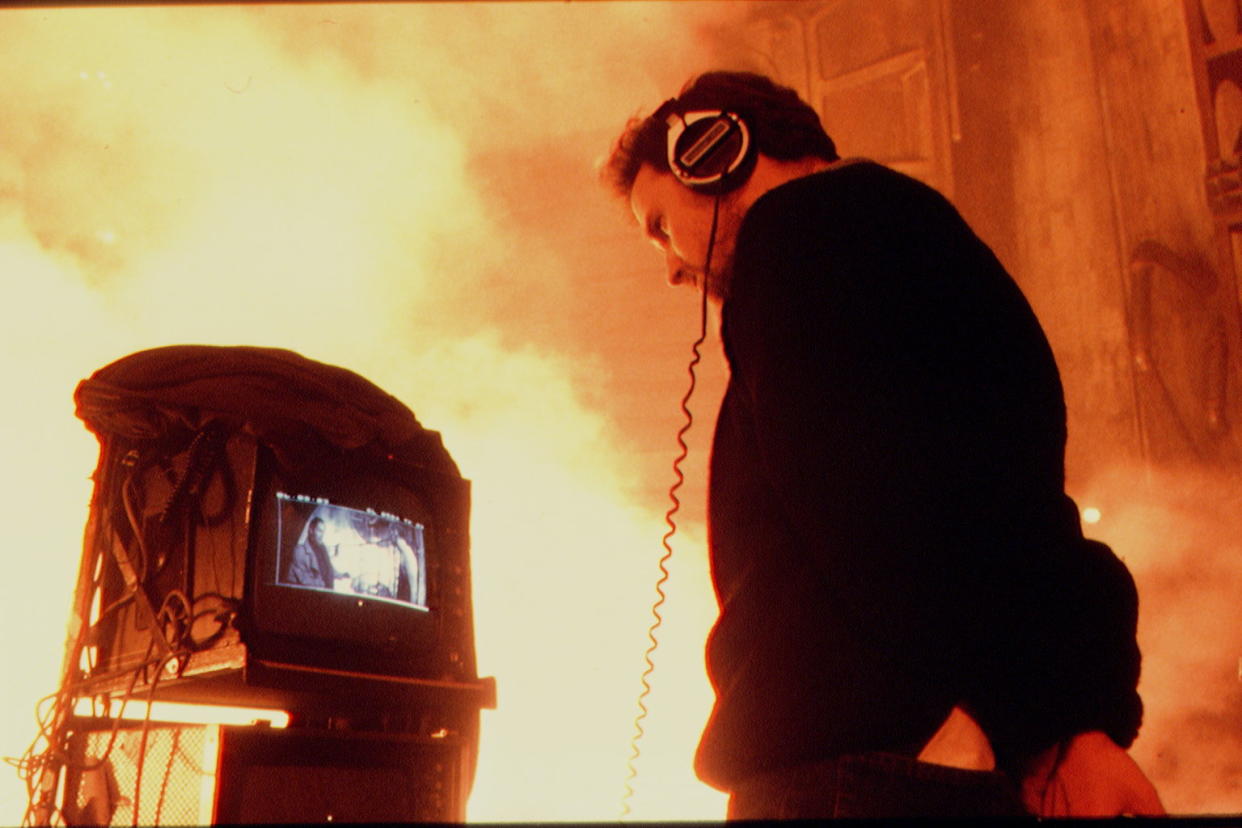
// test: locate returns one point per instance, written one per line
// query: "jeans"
(874, 785)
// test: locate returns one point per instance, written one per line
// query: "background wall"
(1069, 134)
(408, 191)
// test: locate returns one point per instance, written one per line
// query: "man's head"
(781, 133)
(316, 532)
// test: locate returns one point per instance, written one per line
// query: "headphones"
(710, 151)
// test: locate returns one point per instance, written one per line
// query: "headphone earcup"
(710, 151)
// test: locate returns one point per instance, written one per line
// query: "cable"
(119, 493)
(199, 461)
(669, 519)
(142, 741)
(135, 523)
(173, 750)
(50, 751)
(35, 765)
(53, 727)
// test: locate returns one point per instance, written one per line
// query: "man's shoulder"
(847, 171)
(848, 187)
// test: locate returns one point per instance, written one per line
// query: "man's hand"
(1095, 778)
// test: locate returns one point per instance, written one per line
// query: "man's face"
(678, 221)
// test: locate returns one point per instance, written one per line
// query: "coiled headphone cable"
(670, 520)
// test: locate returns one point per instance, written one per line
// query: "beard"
(718, 272)
(718, 281)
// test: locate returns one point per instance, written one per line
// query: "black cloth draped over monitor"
(304, 410)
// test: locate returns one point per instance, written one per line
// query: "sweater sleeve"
(1069, 660)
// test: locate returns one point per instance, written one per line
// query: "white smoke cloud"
(309, 178)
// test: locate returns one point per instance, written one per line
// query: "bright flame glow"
(192, 713)
(321, 179)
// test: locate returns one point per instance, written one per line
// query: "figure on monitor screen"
(310, 564)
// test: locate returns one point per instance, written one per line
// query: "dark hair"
(782, 125)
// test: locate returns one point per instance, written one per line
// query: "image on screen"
(363, 552)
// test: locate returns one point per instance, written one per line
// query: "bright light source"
(1091, 515)
(193, 713)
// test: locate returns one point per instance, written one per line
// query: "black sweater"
(888, 528)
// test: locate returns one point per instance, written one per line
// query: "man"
(310, 564)
(903, 583)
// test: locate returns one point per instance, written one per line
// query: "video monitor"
(359, 565)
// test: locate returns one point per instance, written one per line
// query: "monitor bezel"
(352, 633)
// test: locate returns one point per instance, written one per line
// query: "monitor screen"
(355, 551)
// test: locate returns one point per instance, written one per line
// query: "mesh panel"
(178, 777)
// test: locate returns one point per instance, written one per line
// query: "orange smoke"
(323, 179)
(408, 191)
(1179, 531)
